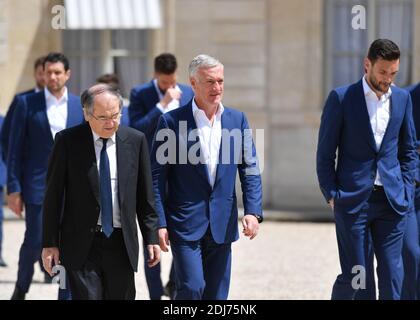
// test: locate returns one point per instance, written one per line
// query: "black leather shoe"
(2, 263)
(47, 278)
(18, 294)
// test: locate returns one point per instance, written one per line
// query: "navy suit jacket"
(125, 120)
(3, 172)
(142, 110)
(345, 125)
(5, 130)
(185, 201)
(415, 98)
(31, 142)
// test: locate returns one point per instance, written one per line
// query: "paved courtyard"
(288, 260)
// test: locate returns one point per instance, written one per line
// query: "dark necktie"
(106, 193)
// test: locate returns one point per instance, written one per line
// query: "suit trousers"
(411, 258)
(30, 251)
(379, 223)
(411, 253)
(153, 277)
(107, 273)
(202, 268)
(1, 219)
(370, 292)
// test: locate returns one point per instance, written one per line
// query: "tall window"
(346, 47)
(95, 52)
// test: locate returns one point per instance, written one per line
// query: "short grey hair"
(202, 61)
(88, 96)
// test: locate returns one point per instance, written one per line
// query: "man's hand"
(164, 239)
(154, 255)
(48, 256)
(251, 226)
(170, 94)
(15, 203)
(331, 203)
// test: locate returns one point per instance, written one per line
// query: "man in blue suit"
(147, 103)
(39, 85)
(197, 151)
(5, 131)
(3, 174)
(411, 246)
(161, 95)
(36, 120)
(371, 187)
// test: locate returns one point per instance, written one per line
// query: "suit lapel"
(124, 155)
(43, 118)
(73, 114)
(154, 96)
(361, 110)
(227, 125)
(392, 117)
(191, 125)
(93, 175)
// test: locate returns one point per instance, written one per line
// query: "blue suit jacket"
(3, 172)
(5, 130)
(125, 120)
(345, 125)
(415, 98)
(185, 201)
(31, 142)
(142, 110)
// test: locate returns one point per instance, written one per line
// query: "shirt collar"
(49, 95)
(96, 137)
(369, 92)
(196, 109)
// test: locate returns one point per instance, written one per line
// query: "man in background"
(39, 85)
(147, 103)
(36, 120)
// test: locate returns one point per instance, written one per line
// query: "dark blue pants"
(370, 292)
(411, 258)
(31, 248)
(153, 279)
(379, 224)
(1, 220)
(410, 255)
(202, 269)
(30, 251)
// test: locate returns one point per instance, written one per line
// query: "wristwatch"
(259, 218)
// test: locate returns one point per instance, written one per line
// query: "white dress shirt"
(172, 105)
(56, 111)
(379, 114)
(111, 150)
(210, 135)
